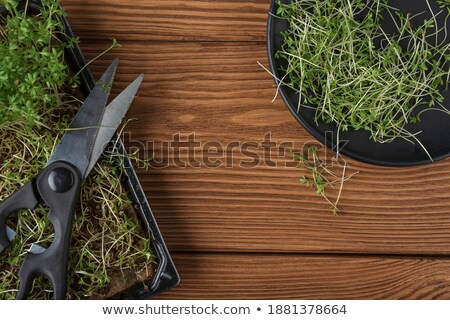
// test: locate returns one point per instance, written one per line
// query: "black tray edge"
(166, 275)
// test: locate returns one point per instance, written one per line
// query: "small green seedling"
(38, 99)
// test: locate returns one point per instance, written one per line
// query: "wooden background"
(254, 232)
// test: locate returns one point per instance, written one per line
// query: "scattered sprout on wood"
(323, 175)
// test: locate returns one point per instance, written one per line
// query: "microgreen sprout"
(31, 70)
(357, 76)
(110, 250)
(323, 176)
(345, 66)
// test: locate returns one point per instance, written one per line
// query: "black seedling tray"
(165, 274)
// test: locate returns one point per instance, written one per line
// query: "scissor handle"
(25, 198)
(59, 187)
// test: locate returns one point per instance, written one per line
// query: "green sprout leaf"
(38, 98)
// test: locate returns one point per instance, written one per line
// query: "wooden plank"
(218, 92)
(262, 276)
(155, 20)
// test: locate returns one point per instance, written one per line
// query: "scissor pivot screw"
(60, 180)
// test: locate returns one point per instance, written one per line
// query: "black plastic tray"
(165, 275)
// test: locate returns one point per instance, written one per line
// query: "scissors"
(58, 183)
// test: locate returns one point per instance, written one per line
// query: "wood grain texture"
(260, 276)
(241, 230)
(155, 20)
(225, 97)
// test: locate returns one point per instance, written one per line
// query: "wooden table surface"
(239, 230)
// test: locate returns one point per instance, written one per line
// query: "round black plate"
(434, 126)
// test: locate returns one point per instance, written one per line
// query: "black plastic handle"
(59, 187)
(25, 198)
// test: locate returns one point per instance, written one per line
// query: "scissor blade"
(78, 142)
(35, 248)
(114, 114)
